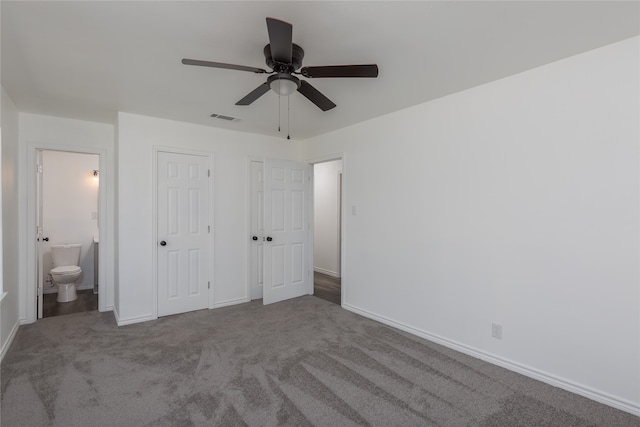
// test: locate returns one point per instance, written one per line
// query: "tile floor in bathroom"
(87, 301)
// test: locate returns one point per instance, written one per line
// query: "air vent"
(222, 117)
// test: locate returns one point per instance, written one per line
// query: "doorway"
(67, 206)
(327, 242)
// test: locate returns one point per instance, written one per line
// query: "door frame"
(30, 301)
(154, 223)
(343, 216)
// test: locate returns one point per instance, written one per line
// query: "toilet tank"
(65, 254)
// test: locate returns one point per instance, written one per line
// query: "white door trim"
(154, 215)
(27, 297)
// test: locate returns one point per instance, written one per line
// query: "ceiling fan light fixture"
(283, 84)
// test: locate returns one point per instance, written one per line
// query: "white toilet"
(65, 270)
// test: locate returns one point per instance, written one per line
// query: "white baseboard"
(230, 302)
(585, 391)
(327, 272)
(132, 320)
(7, 343)
(108, 308)
(148, 317)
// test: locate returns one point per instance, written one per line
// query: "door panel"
(287, 271)
(183, 225)
(256, 204)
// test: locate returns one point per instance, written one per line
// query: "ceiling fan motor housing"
(297, 53)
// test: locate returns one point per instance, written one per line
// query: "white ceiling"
(90, 59)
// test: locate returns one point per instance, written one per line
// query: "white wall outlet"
(496, 331)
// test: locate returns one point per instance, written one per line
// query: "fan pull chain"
(279, 97)
(288, 116)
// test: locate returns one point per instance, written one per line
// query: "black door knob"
(46, 239)
(254, 238)
(269, 239)
(163, 243)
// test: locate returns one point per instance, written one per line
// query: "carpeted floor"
(301, 362)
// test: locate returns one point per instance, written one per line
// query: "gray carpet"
(301, 362)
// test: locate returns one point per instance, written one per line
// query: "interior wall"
(38, 131)
(326, 207)
(513, 203)
(137, 138)
(70, 208)
(11, 220)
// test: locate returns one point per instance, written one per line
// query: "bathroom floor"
(87, 301)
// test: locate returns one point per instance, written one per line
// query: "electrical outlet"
(496, 331)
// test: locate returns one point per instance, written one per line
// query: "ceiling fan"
(285, 58)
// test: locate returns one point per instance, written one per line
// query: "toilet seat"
(66, 270)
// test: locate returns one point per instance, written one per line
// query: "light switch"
(353, 210)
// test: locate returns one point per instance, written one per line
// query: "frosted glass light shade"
(283, 84)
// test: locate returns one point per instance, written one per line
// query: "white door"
(287, 254)
(183, 233)
(256, 204)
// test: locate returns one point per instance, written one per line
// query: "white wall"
(11, 243)
(515, 202)
(70, 207)
(37, 131)
(326, 210)
(136, 139)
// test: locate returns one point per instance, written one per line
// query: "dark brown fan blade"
(314, 95)
(254, 94)
(222, 65)
(368, 70)
(280, 39)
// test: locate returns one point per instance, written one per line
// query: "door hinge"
(209, 173)
(208, 285)
(208, 229)
(39, 169)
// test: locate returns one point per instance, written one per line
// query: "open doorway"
(327, 239)
(67, 232)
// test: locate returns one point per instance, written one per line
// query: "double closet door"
(280, 255)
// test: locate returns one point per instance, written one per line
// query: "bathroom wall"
(70, 208)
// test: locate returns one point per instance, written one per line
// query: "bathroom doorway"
(67, 210)
(327, 219)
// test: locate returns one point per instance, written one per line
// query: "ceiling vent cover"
(223, 117)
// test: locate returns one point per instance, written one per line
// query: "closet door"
(184, 244)
(287, 256)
